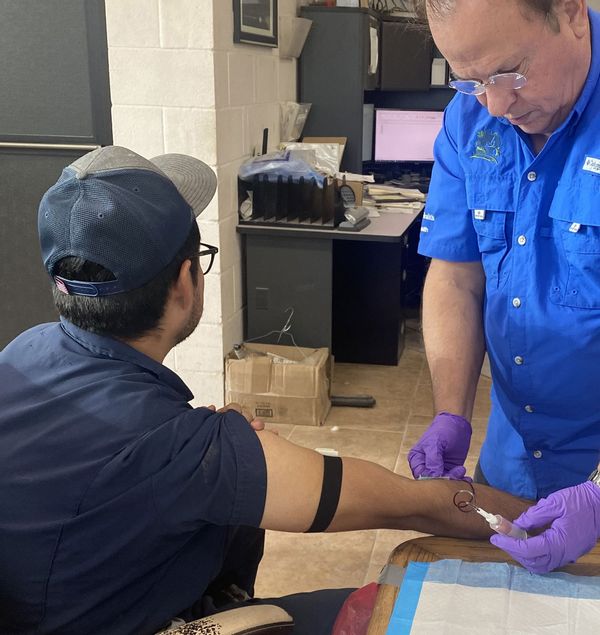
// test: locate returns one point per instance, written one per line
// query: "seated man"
(123, 506)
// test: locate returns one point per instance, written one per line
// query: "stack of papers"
(391, 198)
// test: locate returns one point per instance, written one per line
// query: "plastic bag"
(354, 616)
(325, 157)
(278, 164)
(293, 118)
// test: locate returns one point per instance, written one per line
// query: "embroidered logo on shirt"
(487, 146)
(592, 164)
(427, 216)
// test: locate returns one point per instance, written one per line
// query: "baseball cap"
(123, 212)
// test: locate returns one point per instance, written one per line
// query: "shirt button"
(518, 360)
(522, 240)
(537, 454)
(532, 176)
(528, 408)
(516, 302)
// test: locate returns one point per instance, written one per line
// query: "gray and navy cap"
(123, 212)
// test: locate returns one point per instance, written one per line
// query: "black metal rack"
(293, 202)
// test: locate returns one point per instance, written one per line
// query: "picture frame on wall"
(255, 22)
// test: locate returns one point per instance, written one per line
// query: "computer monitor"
(406, 135)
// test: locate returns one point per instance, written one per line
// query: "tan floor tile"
(423, 401)
(477, 441)
(479, 423)
(380, 381)
(387, 414)
(419, 420)
(372, 574)
(372, 445)
(425, 377)
(402, 467)
(384, 434)
(294, 563)
(414, 340)
(387, 540)
(470, 464)
(481, 408)
(283, 429)
(411, 359)
(412, 434)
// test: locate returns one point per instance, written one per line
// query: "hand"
(256, 424)
(574, 518)
(442, 449)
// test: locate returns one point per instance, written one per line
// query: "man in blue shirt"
(513, 227)
(121, 505)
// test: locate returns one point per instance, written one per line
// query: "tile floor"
(299, 562)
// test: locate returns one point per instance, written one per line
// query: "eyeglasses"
(207, 257)
(507, 81)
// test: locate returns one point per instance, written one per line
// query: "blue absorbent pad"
(455, 597)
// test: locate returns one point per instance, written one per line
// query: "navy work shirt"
(534, 222)
(116, 496)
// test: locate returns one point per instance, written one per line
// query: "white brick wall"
(179, 84)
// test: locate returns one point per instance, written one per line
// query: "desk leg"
(284, 272)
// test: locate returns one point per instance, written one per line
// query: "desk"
(345, 287)
(434, 548)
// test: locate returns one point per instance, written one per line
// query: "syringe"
(501, 525)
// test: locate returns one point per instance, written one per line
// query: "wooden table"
(433, 548)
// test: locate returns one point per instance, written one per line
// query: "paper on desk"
(402, 208)
(359, 178)
(394, 190)
(452, 596)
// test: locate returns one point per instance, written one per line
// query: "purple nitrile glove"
(574, 514)
(442, 449)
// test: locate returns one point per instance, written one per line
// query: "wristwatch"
(595, 476)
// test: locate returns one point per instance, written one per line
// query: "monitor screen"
(406, 135)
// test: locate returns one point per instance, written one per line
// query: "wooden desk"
(345, 287)
(435, 548)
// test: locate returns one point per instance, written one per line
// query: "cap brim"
(195, 180)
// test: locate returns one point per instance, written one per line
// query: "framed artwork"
(255, 22)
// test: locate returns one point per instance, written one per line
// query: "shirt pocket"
(492, 213)
(575, 229)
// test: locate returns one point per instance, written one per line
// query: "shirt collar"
(101, 345)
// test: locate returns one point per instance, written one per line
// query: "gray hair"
(443, 8)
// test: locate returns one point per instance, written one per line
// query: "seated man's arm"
(371, 496)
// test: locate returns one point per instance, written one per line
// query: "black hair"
(127, 315)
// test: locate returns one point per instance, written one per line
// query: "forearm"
(453, 333)
(373, 497)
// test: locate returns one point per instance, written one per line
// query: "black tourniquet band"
(330, 493)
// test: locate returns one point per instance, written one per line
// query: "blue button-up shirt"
(116, 496)
(534, 222)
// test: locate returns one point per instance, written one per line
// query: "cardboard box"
(281, 384)
(357, 188)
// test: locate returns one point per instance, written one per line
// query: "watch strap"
(595, 477)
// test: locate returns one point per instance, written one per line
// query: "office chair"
(262, 619)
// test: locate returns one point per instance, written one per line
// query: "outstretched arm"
(371, 496)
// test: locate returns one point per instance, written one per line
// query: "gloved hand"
(442, 449)
(575, 516)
